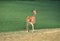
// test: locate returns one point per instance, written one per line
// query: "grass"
(13, 15)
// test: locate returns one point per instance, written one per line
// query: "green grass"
(13, 15)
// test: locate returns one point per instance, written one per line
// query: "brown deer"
(30, 20)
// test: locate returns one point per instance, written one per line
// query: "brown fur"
(31, 20)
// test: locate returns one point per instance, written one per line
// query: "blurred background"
(29, 0)
(13, 14)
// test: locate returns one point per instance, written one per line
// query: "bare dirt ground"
(37, 35)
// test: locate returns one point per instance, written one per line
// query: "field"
(38, 35)
(13, 15)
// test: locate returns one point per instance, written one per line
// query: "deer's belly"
(30, 20)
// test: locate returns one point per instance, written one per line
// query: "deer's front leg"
(27, 27)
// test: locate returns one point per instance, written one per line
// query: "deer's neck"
(34, 15)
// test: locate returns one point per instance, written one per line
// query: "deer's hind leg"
(32, 26)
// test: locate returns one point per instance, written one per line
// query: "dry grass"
(38, 35)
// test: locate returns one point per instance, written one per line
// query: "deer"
(31, 20)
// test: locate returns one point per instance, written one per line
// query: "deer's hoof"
(27, 31)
